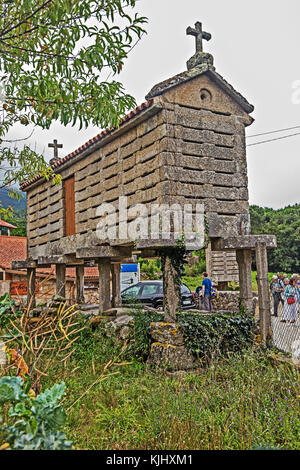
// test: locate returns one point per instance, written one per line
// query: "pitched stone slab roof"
(92, 141)
(210, 70)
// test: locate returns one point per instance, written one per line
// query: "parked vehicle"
(151, 293)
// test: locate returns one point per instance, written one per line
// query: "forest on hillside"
(285, 224)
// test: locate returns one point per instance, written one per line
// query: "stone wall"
(46, 290)
(229, 301)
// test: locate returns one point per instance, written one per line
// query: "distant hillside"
(285, 224)
(7, 201)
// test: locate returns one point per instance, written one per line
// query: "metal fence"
(285, 322)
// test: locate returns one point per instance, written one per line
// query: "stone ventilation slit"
(226, 200)
(224, 146)
(193, 141)
(230, 173)
(192, 196)
(224, 159)
(223, 133)
(147, 173)
(225, 214)
(113, 187)
(220, 113)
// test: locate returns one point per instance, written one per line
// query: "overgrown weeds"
(238, 401)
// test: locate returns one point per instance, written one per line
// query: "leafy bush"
(32, 424)
(6, 312)
(150, 268)
(141, 331)
(285, 224)
(207, 335)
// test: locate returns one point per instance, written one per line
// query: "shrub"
(32, 423)
(7, 312)
(208, 335)
(141, 331)
(204, 335)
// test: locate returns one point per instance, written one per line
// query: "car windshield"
(185, 289)
(132, 291)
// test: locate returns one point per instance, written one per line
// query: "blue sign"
(129, 268)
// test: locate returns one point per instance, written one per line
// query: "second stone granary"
(185, 144)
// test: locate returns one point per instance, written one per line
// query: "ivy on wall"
(205, 335)
(216, 334)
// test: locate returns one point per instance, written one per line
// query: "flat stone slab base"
(170, 357)
(168, 350)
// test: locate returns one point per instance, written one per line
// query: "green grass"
(238, 402)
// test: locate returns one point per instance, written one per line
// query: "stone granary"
(184, 145)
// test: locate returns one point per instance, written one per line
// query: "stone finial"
(199, 57)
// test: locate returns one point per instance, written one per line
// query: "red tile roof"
(6, 224)
(11, 248)
(92, 141)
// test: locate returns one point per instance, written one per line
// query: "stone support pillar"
(104, 284)
(263, 292)
(60, 280)
(244, 259)
(116, 287)
(208, 259)
(79, 284)
(31, 278)
(172, 294)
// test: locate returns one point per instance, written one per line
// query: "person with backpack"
(206, 291)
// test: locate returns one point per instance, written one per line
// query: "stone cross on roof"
(55, 146)
(199, 35)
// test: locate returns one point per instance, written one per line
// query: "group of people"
(287, 292)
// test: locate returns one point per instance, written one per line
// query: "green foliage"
(54, 73)
(33, 424)
(141, 343)
(18, 205)
(20, 223)
(199, 267)
(6, 313)
(215, 334)
(205, 335)
(56, 60)
(285, 224)
(150, 268)
(237, 402)
(87, 342)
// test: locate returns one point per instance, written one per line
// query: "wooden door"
(69, 203)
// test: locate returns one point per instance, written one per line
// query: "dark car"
(151, 293)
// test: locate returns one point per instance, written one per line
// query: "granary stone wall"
(130, 165)
(207, 158)
(187, 147)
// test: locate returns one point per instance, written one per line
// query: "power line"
(272, 140)
(273, 132)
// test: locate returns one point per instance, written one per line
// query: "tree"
(53, 57)
(285, 224)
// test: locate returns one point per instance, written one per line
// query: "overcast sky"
(256, 49)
